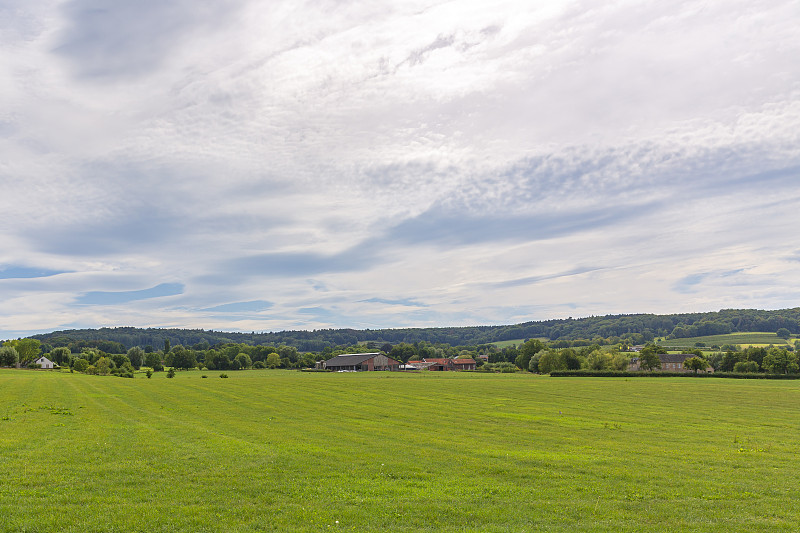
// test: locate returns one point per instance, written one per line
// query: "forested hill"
(637, 328)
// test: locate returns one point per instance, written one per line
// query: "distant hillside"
(636, 328)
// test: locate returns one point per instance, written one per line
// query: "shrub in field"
(80, 364)
(223, 375)
(203, 376)
(171, 372)
(149, 374)
(259, 364)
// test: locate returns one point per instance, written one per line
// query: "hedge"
(614, 374)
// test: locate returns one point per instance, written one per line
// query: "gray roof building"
(361, 362)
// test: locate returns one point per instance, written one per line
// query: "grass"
(516, 342)
(757, 339)
(290, 451)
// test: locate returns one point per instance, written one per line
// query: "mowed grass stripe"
(278, 451)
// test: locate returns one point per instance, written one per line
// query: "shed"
(356, 362)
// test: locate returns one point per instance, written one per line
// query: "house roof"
(350, 359)
(464, 361)
(674, 357)
(439, 361)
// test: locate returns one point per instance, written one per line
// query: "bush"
(204, 376)
(80, 364)
(171, 372)
(746, 367)
(149, 374)
(8, 356)
(729, 375)
(223, 375)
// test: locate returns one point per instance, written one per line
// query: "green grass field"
(516, 342)
(291, 451)
(743, 339)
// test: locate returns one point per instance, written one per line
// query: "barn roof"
(350, 359)
(439, 361)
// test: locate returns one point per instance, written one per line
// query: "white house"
(44, 362)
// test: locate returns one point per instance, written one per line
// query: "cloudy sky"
(267, 165)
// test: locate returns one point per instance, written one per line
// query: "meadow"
(745, 340)
(290, 451)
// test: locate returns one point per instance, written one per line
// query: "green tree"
(61, 356)
(551, 360)
(598, 360)
(80, 364)
(104, 365)
(243, 360)
(136, 356)
(8, 356)
(166, 346)
(28, 350)
(153, 360)
(746, 367)
(695, 363)
(620, 362)
(784, 333)
(649, 360)
(402, 352)
(779, 361)
(526, 351)
(273, 360)
(119, 359)
(183, 358)
(217, 361)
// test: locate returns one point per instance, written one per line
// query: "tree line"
(533, 355)
(609, 329)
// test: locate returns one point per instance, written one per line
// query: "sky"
(270, 165)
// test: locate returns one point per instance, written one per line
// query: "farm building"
(440, 364)
(464, 364)
(43, 362)
(670, 362)
(356, 362)
(443, 364)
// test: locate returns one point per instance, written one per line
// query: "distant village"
(377, 361)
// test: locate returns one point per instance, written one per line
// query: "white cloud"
(490, 162)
